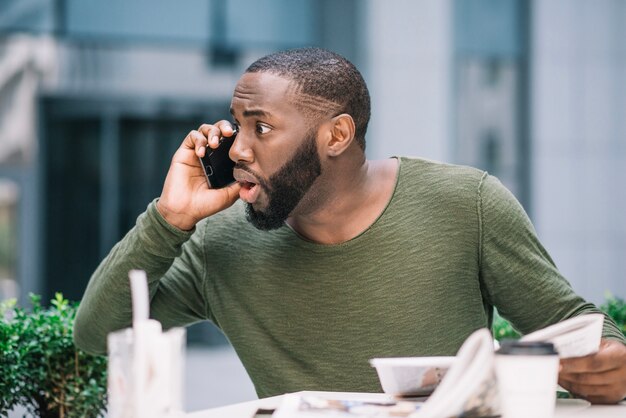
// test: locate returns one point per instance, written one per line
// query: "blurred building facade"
(579, 140)
(96, 96)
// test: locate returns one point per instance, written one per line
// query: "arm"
(520, 279)
(518, 276)
(175, 271)
(167, 256)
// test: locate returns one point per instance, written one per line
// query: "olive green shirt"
(451, 244)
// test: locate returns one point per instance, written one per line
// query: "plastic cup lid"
(526, 348)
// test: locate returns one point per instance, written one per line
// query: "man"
(341, 259)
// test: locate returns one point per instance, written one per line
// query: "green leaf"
(38, 363)
(616, 308)
(502, 329)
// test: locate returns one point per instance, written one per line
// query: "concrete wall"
(408, 73)
(579, 140)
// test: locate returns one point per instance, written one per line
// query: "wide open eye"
(262, 129)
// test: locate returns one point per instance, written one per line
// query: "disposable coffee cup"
(527, 374)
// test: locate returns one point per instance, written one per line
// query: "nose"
(240, 151)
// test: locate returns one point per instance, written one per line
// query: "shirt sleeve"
(519, 277)
(174, 263)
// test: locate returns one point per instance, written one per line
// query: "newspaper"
(575, 337)
(310, 405)
(469, 388)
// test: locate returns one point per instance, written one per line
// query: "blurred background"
(95, 96)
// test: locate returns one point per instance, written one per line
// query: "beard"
(286, 188)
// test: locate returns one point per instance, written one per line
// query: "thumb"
(231, 193)
(216, 200)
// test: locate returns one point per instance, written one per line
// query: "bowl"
(411, 376)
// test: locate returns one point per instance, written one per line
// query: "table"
(565, 408)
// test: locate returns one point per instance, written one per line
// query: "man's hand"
(186, 197)
(600, 377)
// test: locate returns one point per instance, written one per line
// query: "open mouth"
(250, 188)
(249, 191)
(247, 184)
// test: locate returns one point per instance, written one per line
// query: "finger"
(587, 366)
(212, 133)
(225, 127)
(201, 143)
(599, 362)
(594, 364)
(216, 131)
(595, 393)
(195, 141)
(602, 378)
(605, 399)
(232, 193)
(216, 200)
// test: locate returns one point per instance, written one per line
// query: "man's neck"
(351, 206)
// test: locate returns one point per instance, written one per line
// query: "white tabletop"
(565, 408)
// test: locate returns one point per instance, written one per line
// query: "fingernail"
(215, 140)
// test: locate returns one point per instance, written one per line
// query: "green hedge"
(41, 369)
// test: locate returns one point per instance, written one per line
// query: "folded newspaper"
(469, 388)
(575, 337)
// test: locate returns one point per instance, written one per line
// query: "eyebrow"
(253, 112)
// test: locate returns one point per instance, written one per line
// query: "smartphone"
(217, 165)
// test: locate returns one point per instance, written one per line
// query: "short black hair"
(322, 74)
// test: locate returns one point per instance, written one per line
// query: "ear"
(340, 134)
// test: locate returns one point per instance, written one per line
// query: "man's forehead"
(268, 94)
(262, 91)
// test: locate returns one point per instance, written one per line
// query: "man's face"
(275, 150)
